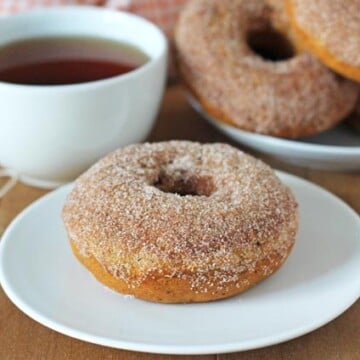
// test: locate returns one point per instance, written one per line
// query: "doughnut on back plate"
(292, 97)
(330, 29)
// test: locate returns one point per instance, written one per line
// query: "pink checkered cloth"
(162, 12)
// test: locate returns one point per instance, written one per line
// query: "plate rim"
(283, 143)
(158, 348)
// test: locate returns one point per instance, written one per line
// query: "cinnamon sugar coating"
(207, 218)
(291, 98)
(334, 26)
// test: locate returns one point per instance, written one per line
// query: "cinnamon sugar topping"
(333, 23)
(295, 97)
(118, 213)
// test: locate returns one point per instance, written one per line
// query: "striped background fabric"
(162, 12)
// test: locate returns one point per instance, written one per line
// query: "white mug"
(51, 134)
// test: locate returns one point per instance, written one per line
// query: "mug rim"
(95, 83)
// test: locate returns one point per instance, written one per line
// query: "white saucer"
(335, 149)
(318, 282)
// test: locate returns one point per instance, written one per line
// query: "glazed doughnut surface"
(180, 222)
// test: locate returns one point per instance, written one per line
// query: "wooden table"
(23, 338)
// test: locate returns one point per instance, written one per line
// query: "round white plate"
(41, 276)
(335, 149)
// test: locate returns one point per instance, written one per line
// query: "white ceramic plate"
(335, 149)
(41, 276)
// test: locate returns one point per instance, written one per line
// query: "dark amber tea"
(66, 60)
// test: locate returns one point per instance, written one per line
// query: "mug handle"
(13, 178)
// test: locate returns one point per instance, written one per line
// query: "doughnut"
(331, 31)
(283, 92)
(354, 118)
(180, 222)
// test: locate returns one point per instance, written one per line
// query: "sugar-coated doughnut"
(292, 95)
(180, 221)
(330, 29)
(354, 119)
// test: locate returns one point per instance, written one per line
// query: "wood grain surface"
(23, 338)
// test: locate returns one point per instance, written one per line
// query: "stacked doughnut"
(285, 68)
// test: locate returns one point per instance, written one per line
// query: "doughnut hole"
(183, 183)
(270, 44)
